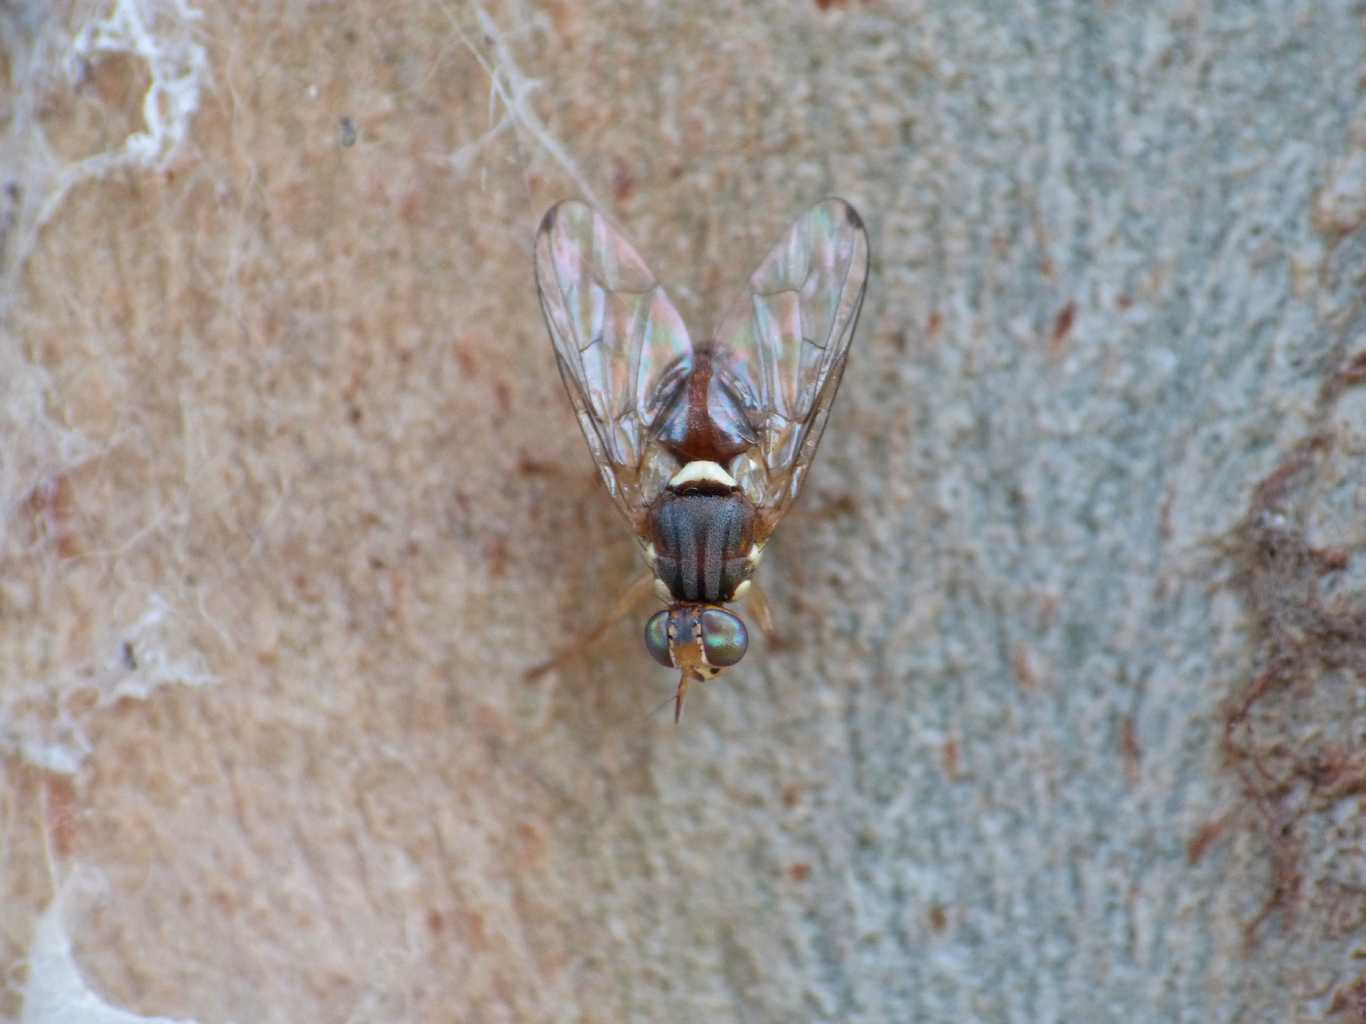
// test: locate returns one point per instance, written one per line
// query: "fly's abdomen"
(701, 543)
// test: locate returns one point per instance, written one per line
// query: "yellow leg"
(630, 597)
(757, 603)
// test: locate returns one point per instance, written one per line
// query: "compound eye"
(657, 638)
(724, 637)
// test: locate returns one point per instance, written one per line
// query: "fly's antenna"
(658, 708)
(683, 681)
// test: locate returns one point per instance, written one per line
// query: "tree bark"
(1065, 723)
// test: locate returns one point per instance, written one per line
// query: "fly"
(703, 446)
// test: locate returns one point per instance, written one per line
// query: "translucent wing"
(783, 346)
(622, 348)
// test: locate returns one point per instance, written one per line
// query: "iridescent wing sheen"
(622, 348)
(783, 347)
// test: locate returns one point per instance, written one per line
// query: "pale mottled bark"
(1067, 727)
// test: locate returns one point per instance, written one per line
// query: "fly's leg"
(757, 602)
(640, 589)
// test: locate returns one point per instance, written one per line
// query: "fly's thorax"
(701, 535)
(703, 475)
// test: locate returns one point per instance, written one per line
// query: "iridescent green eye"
(657, 638)
(724, 637)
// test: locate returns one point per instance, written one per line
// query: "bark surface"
(1067, 720)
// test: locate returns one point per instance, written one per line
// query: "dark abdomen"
(701, 543)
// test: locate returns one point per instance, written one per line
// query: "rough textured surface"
(1069, 722)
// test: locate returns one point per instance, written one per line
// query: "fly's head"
(701, 640)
